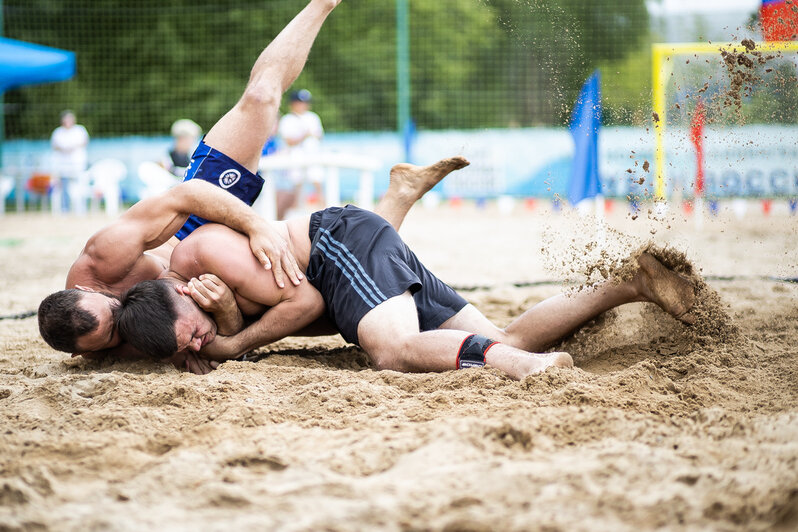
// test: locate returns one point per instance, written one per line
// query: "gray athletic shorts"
(357, 261)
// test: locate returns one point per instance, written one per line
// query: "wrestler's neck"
(172, 275)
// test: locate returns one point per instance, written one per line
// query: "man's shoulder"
(112, 281)
(99, 268)
(83, 272)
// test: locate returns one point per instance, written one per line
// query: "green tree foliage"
(563, 42)
(474, 64)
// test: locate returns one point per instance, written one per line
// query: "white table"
(332, 164)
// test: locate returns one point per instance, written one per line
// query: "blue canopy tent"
(23, 63)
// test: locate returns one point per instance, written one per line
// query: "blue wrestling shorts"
(357, 261)
(218, 169)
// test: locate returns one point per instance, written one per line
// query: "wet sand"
(652, 429)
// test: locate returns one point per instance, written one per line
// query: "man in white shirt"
(68, 142)
(301, 131)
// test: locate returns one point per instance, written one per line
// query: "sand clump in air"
(742, 74)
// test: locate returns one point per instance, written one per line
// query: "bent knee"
(391, 357)
(387, 360)
(263, 94)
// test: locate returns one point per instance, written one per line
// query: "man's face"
(68, 120)
(105, 336)
(193, 328)
(299, 107)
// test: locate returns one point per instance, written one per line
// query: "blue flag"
(585, 124)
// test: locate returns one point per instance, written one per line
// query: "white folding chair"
(6, 186)
(156, 179)
(104, 178)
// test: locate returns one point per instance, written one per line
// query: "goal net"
(726, 119)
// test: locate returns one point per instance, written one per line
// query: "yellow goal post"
(663, 59)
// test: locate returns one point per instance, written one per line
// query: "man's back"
(219, 250)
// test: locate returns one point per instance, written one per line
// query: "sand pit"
(651, 429)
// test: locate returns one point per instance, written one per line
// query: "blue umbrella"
(23, 63)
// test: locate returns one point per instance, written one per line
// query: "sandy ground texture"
(656, 427)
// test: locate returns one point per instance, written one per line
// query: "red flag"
(697, 138)
(779, 20)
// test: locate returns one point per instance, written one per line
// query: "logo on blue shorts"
(229, 178)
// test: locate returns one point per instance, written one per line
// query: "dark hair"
(147, 318)
(62, 321)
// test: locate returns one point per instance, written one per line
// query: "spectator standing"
(69, 142)
(301, 132)
(186, 134)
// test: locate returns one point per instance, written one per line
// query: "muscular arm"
(115, 253)
(223, 254)
(288, 317)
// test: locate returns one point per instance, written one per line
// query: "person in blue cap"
(301, 132)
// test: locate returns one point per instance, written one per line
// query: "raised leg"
(242, 132)
(551, 320)
(390, 335)
(409, 182)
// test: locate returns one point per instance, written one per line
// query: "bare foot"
(560, 359)
(543, 361)
(673, 293)
(415, 181)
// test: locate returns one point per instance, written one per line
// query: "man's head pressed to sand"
(159, 321)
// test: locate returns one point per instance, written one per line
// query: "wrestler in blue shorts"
(218, 169)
